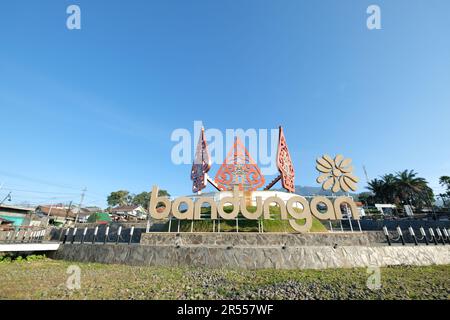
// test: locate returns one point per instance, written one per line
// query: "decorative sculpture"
(285, 166)
(336, 174)
(239, 169)
(201, 165)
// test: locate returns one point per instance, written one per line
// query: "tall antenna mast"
(365, 173)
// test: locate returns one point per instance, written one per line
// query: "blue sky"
(95, 107)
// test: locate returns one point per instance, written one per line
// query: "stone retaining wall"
(300, 257)
(263, 239)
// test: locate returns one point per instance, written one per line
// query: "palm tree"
(376, 186)
(383, 188)
(405, 187)
(389, 188)
(445, 182)
(411, 188)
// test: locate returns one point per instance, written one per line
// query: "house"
(360, 207)
(92, 210)
(386, 209)
(130, 211)
(6, 225)
(20, 216)
(61, 214)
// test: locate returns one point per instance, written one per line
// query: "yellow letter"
(305, 214)
(252, 215)
(198, 208)
(349, 201)
(188, 214)
(234, 200)
(154, 201)
(280, 203)
(329, 215)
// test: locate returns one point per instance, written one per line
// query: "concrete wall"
(245, 257)
(262, 239)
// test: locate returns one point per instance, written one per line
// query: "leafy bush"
(5, 258)
(35, 257)
(8, 258)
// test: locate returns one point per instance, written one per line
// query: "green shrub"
(5, 258)
(8, 258)
(35, 257)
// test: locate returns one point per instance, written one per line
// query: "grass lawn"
(46, 279)
(275, 224)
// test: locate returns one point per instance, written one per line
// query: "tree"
(445, 182)
(383, 189)
(119, 198)
(143, 198)
(405, 187)
(390, 193)
(367, 198)
(376, 186)
(413, 189)
(163, 193)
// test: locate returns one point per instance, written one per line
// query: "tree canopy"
(124, 197)
(404, 187)
(445, 182)
(119, 198)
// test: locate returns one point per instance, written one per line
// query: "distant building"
(6, 225)
(130, 211)
(386, 209)
(92, 209)
(360, 207)
(19, 216)
(62, 214)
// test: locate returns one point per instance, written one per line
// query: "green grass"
(46, 279)
(245, 225)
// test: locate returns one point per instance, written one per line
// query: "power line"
(41, 192)
(39, 181)
(89, 194)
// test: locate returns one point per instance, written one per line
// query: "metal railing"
(72, 235)
(24, 236)
(440, 237)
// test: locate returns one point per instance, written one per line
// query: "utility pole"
(49, 213)
(68, 210)
(365, 173)
(81, 203)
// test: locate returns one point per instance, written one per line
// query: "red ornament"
(284, 164)
(201, 165)
(239, 169)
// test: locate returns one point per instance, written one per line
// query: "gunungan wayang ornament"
(239, 169)
(201, 165)
(284, 165)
